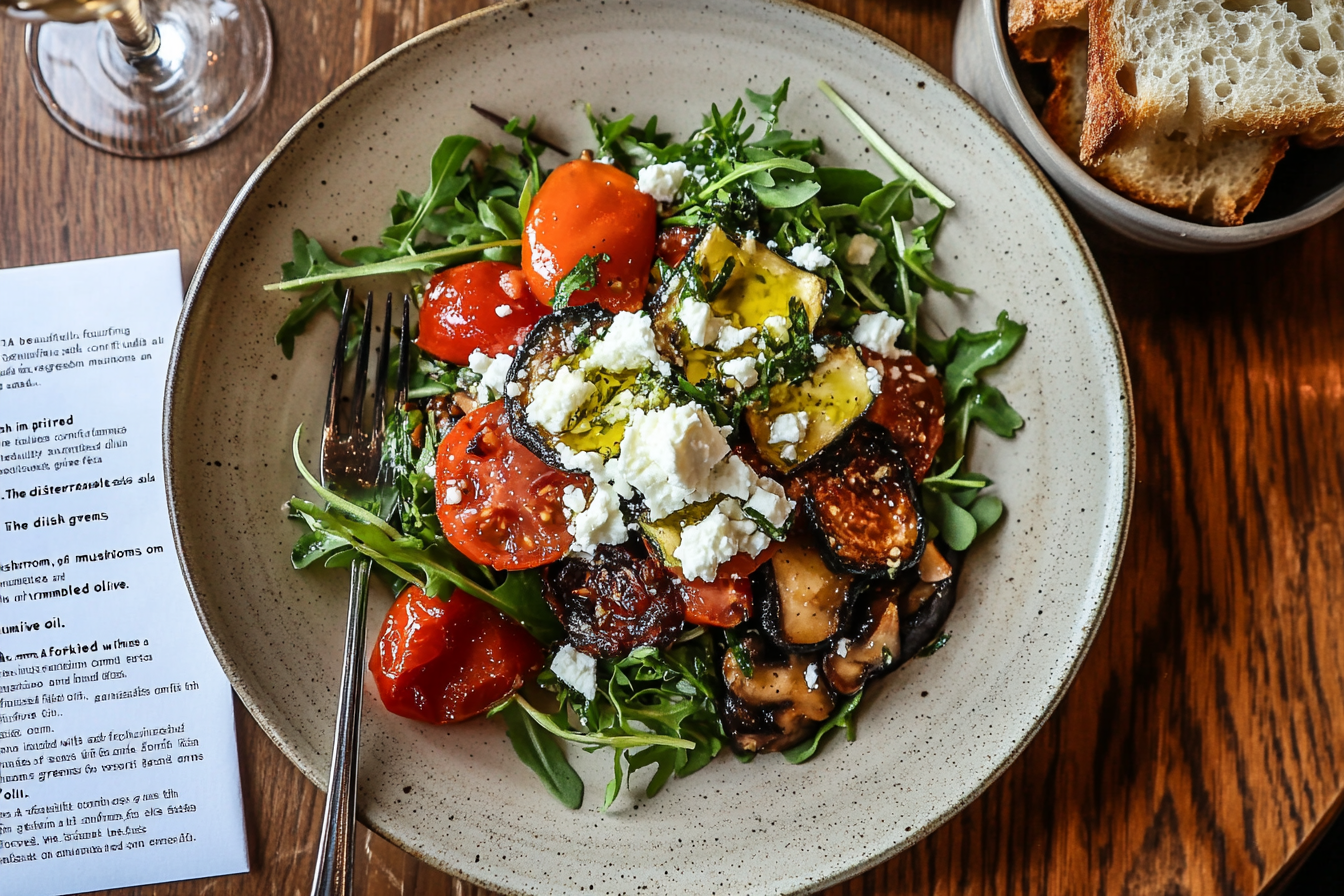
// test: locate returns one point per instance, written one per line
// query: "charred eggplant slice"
(801, 420)
(896, 620)
(862, 498)
(560, 400)
(803, 604)
(614, 602)
(780, 703)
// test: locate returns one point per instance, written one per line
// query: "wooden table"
(1200, 749)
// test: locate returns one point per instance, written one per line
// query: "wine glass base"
(212, 69)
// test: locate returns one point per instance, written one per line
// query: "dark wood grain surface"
(1201, 745)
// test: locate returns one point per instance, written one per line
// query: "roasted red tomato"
(615, 601)
(484, 305)
(447, 660)
(910, 408)
(498, 502)
(588, 208)
(723, 603)
(675, 242)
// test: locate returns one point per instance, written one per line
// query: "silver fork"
(352, 462)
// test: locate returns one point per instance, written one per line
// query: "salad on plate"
(684, 461)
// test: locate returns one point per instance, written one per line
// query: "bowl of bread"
(1183, 125)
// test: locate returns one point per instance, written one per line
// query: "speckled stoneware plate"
(933, 735)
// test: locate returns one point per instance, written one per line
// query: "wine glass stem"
(136, 34)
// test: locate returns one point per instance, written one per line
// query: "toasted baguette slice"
(1204, 67)
(1219, 181)
(1035, 25)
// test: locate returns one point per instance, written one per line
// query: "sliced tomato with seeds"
(499, 503)
(445, 660)
(910, 407)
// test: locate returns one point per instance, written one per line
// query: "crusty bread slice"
(1218, 181)
(1207, 66)
(1035, 25)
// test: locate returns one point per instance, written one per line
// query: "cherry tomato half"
(675, 242)
(445, 660)
(910, 408)
(723, 603)
(498, 502)
(588, 208)
(461, 311)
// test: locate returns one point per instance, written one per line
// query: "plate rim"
(253, 703)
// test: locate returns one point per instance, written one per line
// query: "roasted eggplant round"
(803, 604)
(910, 407)
(894, 620)
(616, 601)
(780, 703)
(862, 499)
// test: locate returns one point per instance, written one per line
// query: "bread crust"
(1106, 112)
(1036, 25)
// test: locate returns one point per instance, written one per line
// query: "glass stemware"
(147, 78)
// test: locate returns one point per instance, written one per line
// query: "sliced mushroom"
(803, 604)
(780, 704)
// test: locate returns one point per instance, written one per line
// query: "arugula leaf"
(935, 645)
(843, 715)
(965, 354)
(846, 186)
(581, 277)
(539, 752)
(445, 183)
(425, 262)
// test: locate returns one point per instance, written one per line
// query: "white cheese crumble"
(819, 351)
(874, 380)
(574, 500)
(769, 500)
(554, 402)
(877, 332)
(716, 539)
(452, 495)
(494, 373)
(777, 327)
(627, 345)
(743, 370)
(662, 182)
(861, 250)
(670, 455)
(809, 257)
(578, 670)
(503, 310)
(789, 453)
(601, 522)
(513, 390)
(702, 327)
(731, 337)
(842, 647)
(810, 676)
(789, 428)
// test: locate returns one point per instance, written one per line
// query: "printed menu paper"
(118, 757)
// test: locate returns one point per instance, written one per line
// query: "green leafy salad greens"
(653, 708)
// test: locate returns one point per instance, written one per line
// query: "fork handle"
(334, 873)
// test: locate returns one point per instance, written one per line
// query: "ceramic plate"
(933, 735)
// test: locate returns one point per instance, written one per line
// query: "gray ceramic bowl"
(1308, 186)
(933, 735)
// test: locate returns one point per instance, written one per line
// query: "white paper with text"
(118, 756)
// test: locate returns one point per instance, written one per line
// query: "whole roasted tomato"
(445, 660)
(484, 305)
(588, 208)
(498, 502)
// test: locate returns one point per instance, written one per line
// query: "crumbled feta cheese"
(555, 401)
(452, 495)
(769, 500)
(430, 471)
(874, 380)
(731, 477)
(743, 370)
(578, 670)
(702, 327)
(670, 455)
(861, 250)
(494, 373)
(606, 160)
(877, 333)
(842, 647)
(662, 182)
(788, 428)
(627, 345)
(809, 257)
(777, 327)
(730, 337)
(716, 539)
(789, 453)
(810, 676)
(771, 245)
(513, 390)
(600, 523)
(503, 310)
(819, 351)
(574, 500)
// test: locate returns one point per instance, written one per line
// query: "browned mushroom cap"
(803, 604)
(776, 706)
(615, 602)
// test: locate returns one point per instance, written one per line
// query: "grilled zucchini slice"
(833, 398)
